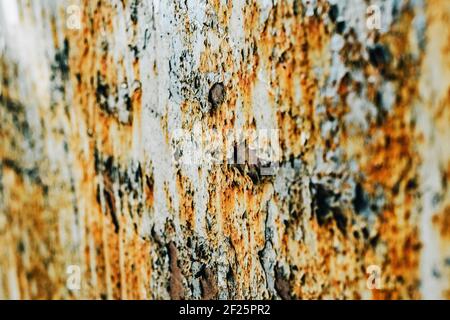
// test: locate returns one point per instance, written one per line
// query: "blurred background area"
(93, 204)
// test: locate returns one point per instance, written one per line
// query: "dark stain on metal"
(360, 200)
(216, 95)
(176, 288)
(208, 284)
(333, 12)
(282, 285)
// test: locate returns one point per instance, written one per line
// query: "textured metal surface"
(88, 176)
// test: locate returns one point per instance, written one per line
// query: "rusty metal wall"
(88, 180)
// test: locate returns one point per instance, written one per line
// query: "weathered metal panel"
(94, 92)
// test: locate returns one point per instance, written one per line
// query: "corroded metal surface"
(88, 176)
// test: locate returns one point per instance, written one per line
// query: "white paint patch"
(13, 284)
(10, 13)
(263, 111)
